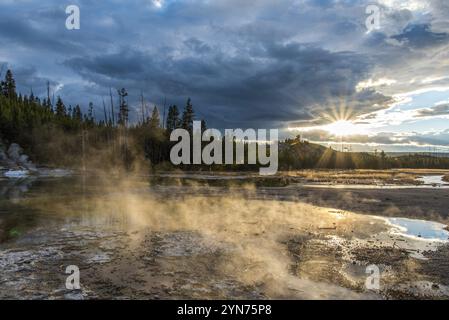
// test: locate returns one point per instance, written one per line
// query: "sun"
(340, 128)
(343, 128)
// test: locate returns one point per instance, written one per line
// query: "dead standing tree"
(123, 124)
(142, 107)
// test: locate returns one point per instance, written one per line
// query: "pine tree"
(32, 97)
(8, 87)
(155, 119)
(60, 108)
(77, 114)
(173, 121)
(47, 104)
(123, 108)
(90, 112)
(203, 126)
(188, 116)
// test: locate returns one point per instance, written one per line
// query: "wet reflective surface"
(135, 239)
(427, 230)
(435, 180)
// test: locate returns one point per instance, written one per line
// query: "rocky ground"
(15, 164)
(12, 158)
(135, 241)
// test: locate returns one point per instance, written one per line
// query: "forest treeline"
(55, 134)
(296, 153)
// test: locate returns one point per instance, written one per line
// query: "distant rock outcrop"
(13, 158)
(15, 153)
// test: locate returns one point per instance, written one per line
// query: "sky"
(308, 67)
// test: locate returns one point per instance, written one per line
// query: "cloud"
(370, 83)
(275, 84)
(420, 36)
(438, 110)
(437, 138)
(244, 64)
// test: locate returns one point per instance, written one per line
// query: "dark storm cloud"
(29, 80)
(237, 61)
(244, 64)
(285, 82)
(21, 31)
(421, 36)
(405, 40)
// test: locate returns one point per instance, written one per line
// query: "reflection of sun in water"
(343, 128)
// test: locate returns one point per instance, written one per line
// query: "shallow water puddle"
(426, 230)
(432, 180)
(17, 174)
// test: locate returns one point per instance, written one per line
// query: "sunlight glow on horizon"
(339, 128)
(344, 128)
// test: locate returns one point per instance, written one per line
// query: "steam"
(248, 233)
